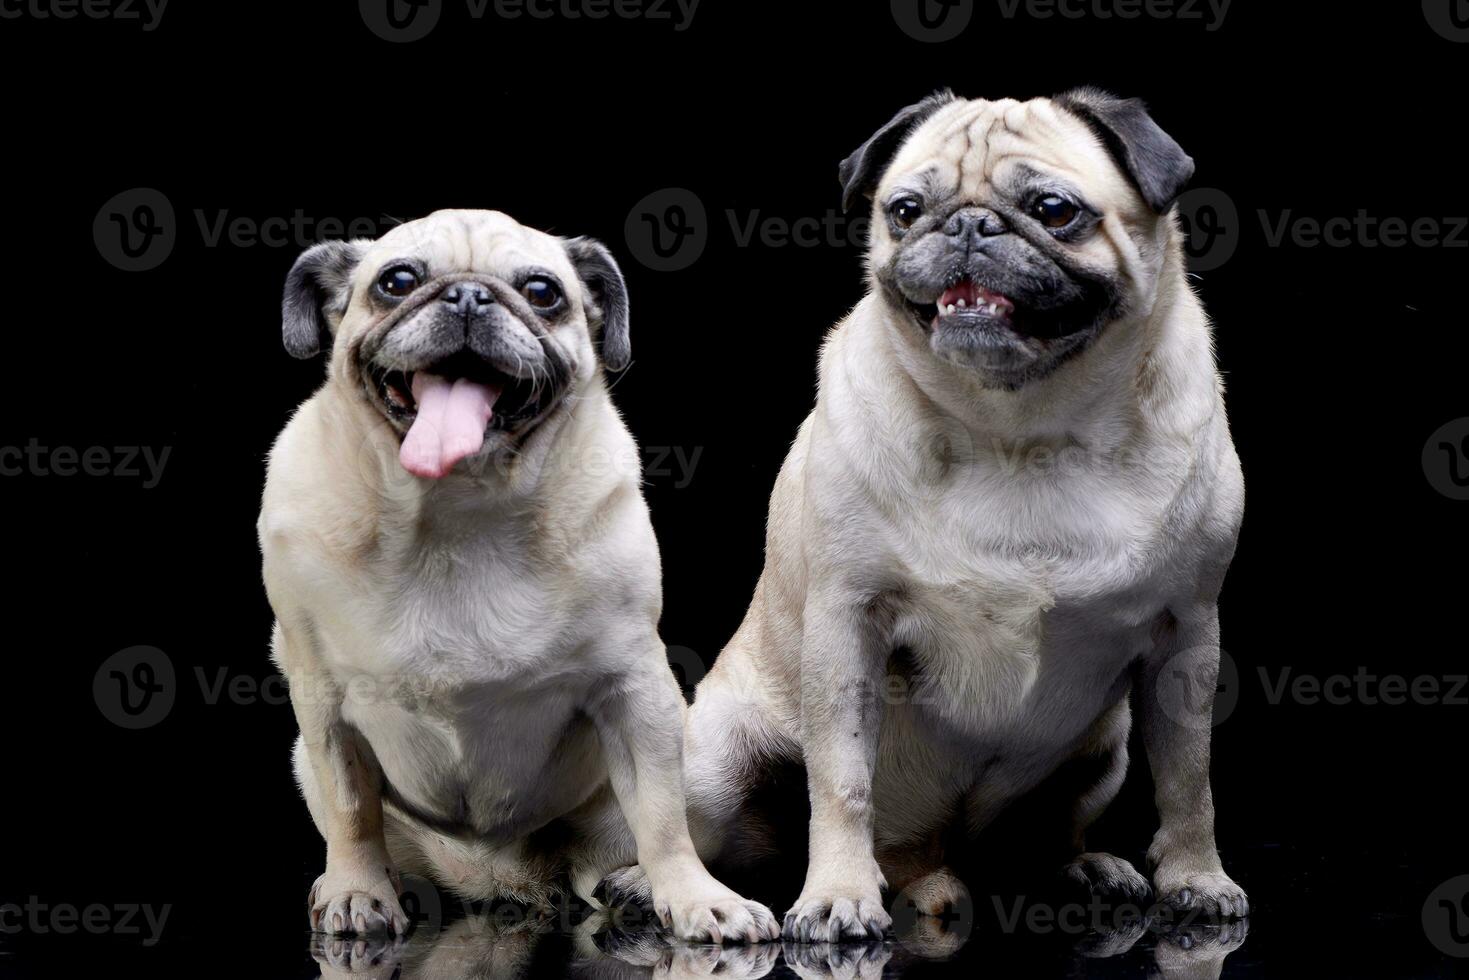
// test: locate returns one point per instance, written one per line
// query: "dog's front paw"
(1211, 893)
(832, 915)
(714, 914)
(348, 902)
(1108, 877)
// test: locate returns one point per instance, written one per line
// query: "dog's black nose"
(468, 297)
(971, 223)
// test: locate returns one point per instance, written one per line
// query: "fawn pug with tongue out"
(466, 612)
(1012, 506)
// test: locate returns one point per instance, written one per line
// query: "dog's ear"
(598, 271)
(318, 290)
(861, 172)
(1157, 164)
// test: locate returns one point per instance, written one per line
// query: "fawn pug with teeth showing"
(1017, 495)
(467, 612)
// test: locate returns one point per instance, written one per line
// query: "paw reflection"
(838, 961)
(1196, 950)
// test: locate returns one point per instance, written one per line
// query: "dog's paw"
(714, 914)
(360, 957)
(834, 915)
(625, 888)
(346, 903)
(845, 961)
(1108, 877)
(1211, 893)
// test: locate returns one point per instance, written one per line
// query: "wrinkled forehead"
(470, 241)
(973, 147)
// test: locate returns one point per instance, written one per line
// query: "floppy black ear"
(861, 172)
(318, 289)
(1157, 165)
(599, 272)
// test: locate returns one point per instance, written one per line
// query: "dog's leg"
(358, 892)
(730, 744)
(843, 662)
(1099, 873)
(1178, 684)
(641, 727)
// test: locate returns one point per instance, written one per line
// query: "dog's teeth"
(951, 309)
(993, 308)
(961, 304)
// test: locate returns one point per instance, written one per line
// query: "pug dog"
(1012, 507)
(466, 584)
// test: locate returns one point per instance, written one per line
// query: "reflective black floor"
(1383, 912)
(483, 947)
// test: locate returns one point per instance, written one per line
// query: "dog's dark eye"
(541, 292)
(906, 211)
(1054, 211)
(398, 281)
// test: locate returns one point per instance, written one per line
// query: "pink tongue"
(450, 424)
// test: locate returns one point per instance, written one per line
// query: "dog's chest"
(475, 611)
(464, 666)
(1024, 605)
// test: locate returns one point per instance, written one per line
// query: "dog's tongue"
(450, 424)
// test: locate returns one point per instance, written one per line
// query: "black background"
(1340, 364)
